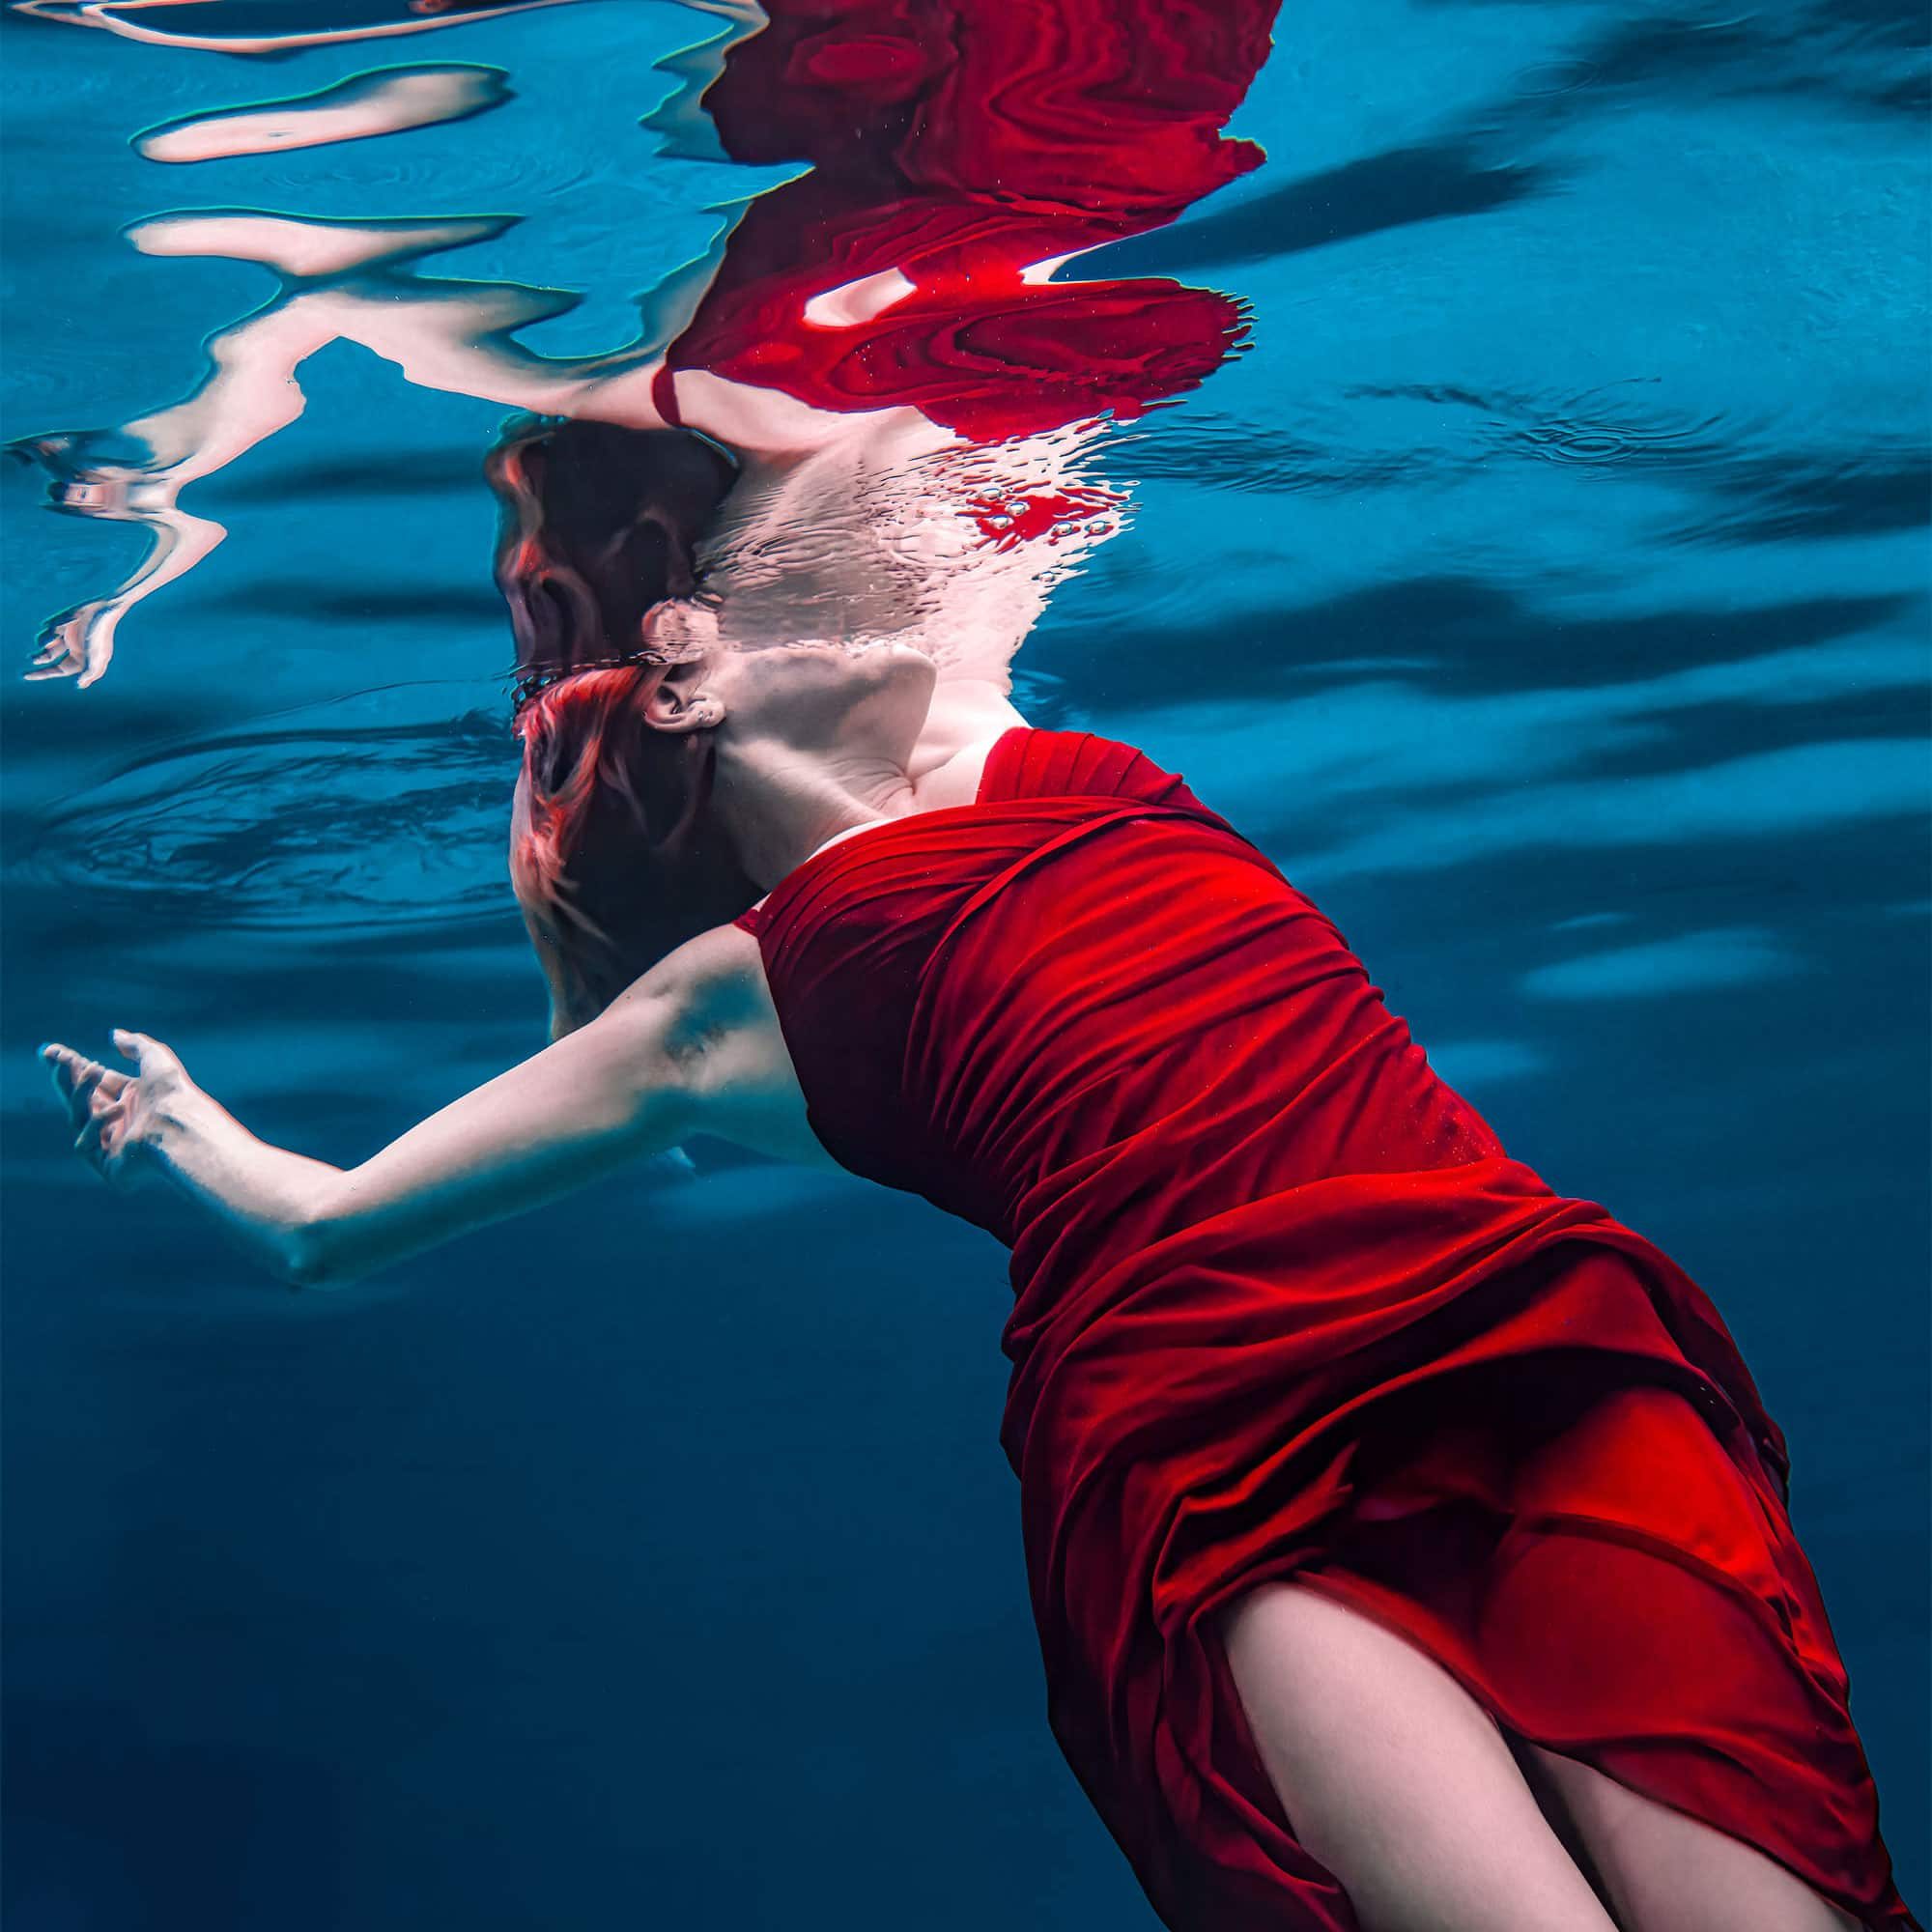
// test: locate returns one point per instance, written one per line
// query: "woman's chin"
(907, 664)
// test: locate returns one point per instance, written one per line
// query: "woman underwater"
(1407, 1542)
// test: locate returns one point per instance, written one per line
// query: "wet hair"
(614, 852)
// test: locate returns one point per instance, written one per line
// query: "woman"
(1407, 1544)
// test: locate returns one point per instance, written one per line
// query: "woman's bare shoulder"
(968, 717)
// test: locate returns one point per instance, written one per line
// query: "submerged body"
(1284, 1310)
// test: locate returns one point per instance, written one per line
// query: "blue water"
(1544, 588)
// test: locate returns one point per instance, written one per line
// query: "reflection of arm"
(457, 342)
(448, 340)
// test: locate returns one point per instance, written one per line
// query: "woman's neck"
(781, 806)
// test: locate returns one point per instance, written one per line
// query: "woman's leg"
(1394, 1776)
(1667, 1872)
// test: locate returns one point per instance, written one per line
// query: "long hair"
(614, 852)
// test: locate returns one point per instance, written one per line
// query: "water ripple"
(336, 817)
(1407, 434)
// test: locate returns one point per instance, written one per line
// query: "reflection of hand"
(120, 1116)
(83, 469)
(95, 474)
(78, 643)
(84, 481)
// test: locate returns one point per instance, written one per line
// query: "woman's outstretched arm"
(692, 1046)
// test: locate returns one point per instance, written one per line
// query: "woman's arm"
(692, 1046)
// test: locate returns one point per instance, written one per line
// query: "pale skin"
(1431, 1816)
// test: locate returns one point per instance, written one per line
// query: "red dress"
(1282, 1304)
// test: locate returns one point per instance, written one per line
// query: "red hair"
(614, 852)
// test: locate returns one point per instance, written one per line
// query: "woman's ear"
(683, 702)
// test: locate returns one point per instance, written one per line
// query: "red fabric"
(1282, 1303)
(959, 144)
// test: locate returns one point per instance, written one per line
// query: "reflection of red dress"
(958, 144)
(1282, 1304)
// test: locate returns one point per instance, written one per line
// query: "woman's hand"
(156, 1121)
(118, 1116)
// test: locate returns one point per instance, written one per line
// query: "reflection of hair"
(599, 524)
(612, 847)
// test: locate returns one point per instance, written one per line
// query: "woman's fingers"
(103, 1103)
(64, 1066)
(76, 1080)
(148, 1054)
(100, 1141)
(74, 1074)
(89, 1088)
